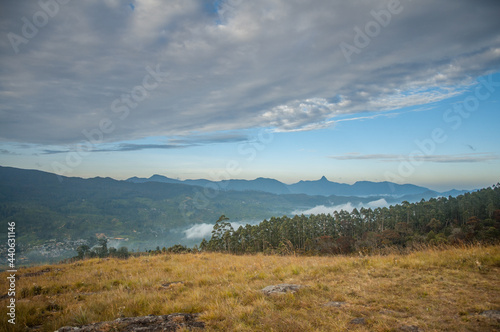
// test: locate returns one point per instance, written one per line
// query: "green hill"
(50, 209)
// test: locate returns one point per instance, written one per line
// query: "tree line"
(472, 217)
(101, 250)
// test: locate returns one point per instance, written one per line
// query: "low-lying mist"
(349, 207)
(200, 231)
(204, 230)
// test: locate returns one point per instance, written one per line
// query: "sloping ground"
(453, 289)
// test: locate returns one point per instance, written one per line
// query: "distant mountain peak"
(322, 187)
(157, 176)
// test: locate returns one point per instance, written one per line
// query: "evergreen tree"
(470, 217)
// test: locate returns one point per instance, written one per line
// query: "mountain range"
(321, 187)
(54, 211)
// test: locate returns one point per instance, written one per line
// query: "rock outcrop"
(281, 289)
(149, 323)
(358, 321)
(493, 314)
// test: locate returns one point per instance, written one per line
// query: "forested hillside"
(467, 218)
(54, 215)
(47, 207)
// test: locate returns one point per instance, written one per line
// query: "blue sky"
(237, 89)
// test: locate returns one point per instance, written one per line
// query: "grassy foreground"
(436, 290)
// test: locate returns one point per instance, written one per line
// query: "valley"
(70, 211)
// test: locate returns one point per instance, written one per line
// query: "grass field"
(435, 289)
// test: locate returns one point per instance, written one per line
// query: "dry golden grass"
(437, 290)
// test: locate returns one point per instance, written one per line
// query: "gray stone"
(493, 314)
(281, 289)
(149, 323)
(359, 320)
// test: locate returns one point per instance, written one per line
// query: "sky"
(402, 91)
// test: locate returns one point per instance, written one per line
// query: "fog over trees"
(472, 217)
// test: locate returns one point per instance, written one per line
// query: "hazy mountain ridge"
(260, 184)
(321, 187)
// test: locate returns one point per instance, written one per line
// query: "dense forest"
(472, 217)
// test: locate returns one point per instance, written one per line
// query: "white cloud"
(265, 63)
(298, 115)
(325, 209)
(199, 231)
(378, 203)
(434, 158)
(346, 207)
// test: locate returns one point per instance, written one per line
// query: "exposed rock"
(359, 320)
(494, 314)
(334, 304)
(281, 289)
(410, 328)
(149, 323)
